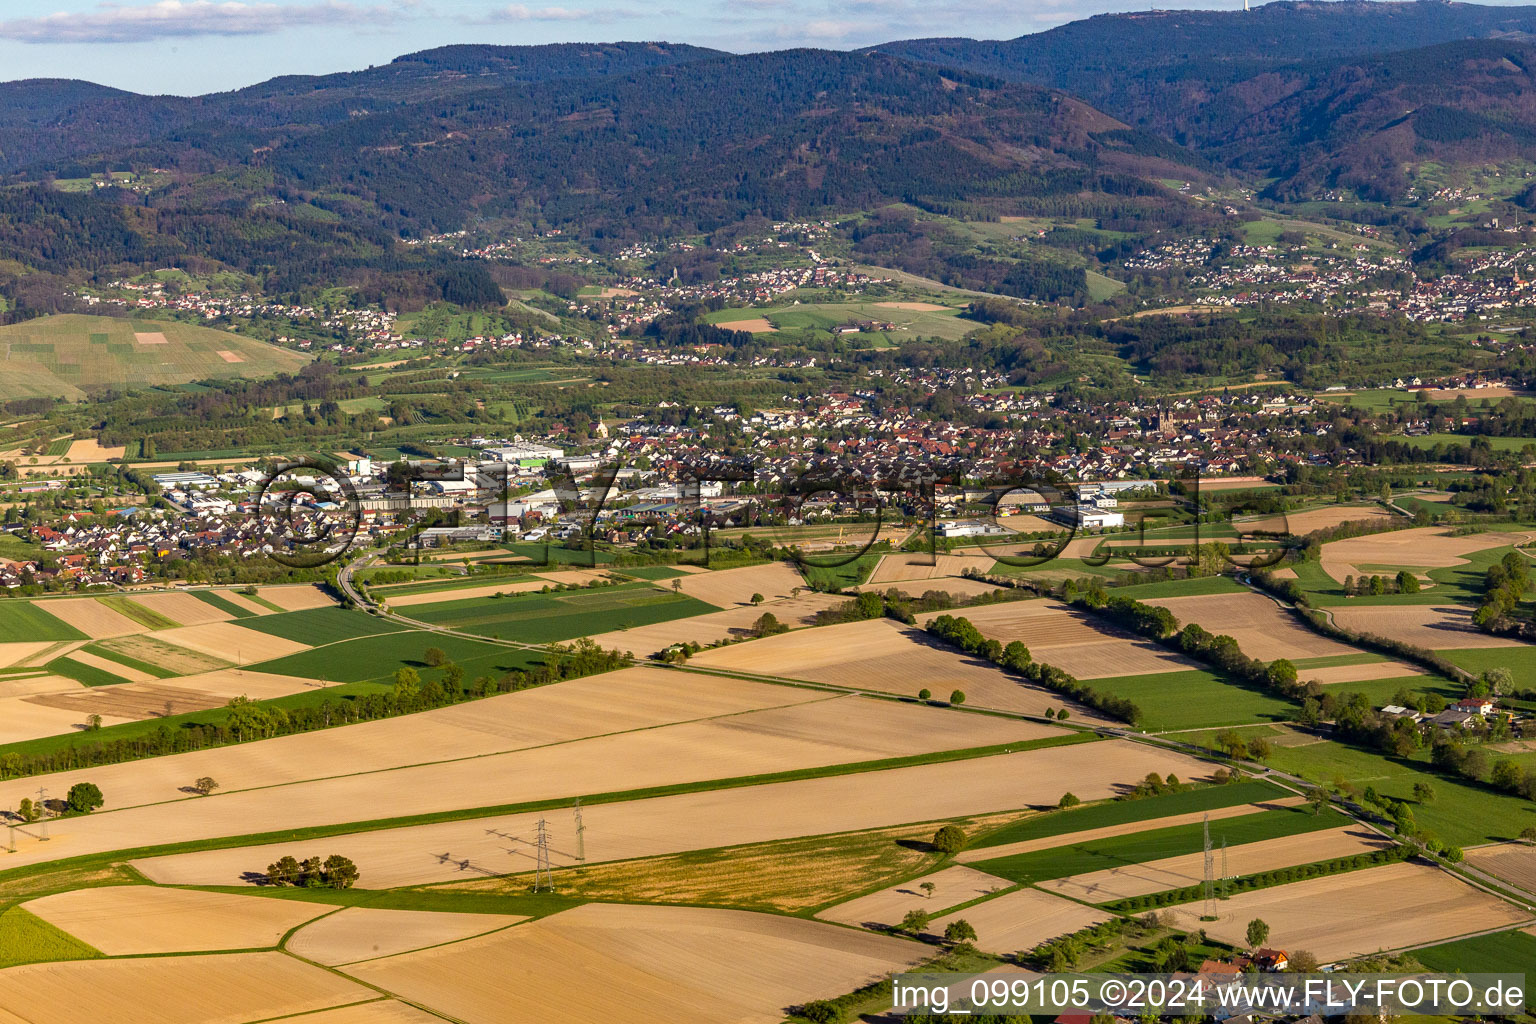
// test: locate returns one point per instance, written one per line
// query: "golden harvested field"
(463, 594)
(20, 719)
(380, 1011)
(615, 702)
(572, 577)
(1110, 831)
(182, 608)
(16, 653)
(26, 686)
(467, 850)
(959, 586)
(901, 568)
(363, 933)
(1301, 523)
(238, 599)
(1021, 920)
(952, 886)
(732, 623)
(1070, 639)
(91, 617)
(122, 920)
(1388, 669)
(728, 587)
(296, 598)
(1355, 914)
(226, 683)
(682, 965)
(883, 655)
(218, 989)
(155, 651)
(1427, 547)
(1261, 628)
(1438, 627)
(1249, 858)
(1513, 862)
(131, 700)
(132, 675)
(231, 643)
(757, 325)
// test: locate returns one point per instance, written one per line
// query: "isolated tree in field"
(915, 921)
(957, 697)
(1529, 834)
(928, 888)
(1423, 792)
(925, 694)
(340, 872)
(1407, 582)
(768, 624)
(949, 840)
(84, 797)
(1068, 800)
(677, 585)
(958, 931)
(205, 785)
(1317, 798)
(1050, 712)
(92, 723)
(283, 871)
(1063, 715)
(1259, 748)
(1258, 933)
(757, 599)
(26, 810)
(435, 657)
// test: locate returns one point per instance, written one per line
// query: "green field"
(316, 626)
(1512, 952)
(28, 939)
(1194, 699)
(377, 657)
(1140, 847)
(101, 651)
(222, 603)
(88, 675)
(1119, 812)
(1462, 813)
(23, 621)
(946, 324)
(146, 617)
(545, 618)
(65, 356)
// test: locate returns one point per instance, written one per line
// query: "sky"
(190, 47)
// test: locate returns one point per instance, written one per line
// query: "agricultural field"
(1021, 920)
(69, 356)
(909, 319)
(546, 618)
(1191, 699)
(29, 622)
(1261, 627)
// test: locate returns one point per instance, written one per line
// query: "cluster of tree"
(1404, 582)
(1266, 879)
(1475, 764)
(243, 719)
(1015, 658)
(1504, 585)
(335, 872)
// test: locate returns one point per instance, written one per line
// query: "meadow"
(23, 622)
(1195, 699)
(318, 626)
(547, 618)
(377, 657)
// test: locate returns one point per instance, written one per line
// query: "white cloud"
(115, 23)
(520, 12)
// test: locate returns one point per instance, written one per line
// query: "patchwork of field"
(615, 702)
(125, 920)
(1261, 628)
(952, 886)
(131, 701)
(92, 617)
(215, 989)
(64, 356)
(1428, 547)
(365, 933)
(153, 650)
(1438, 627)
(1301, 523)
(1021, 920)
(230, 642)
(1361, 673)
(1249, 858)
(677, 964)
(1513, 862)
(730, 624)
(775, 581)
(181, 607)
(1359, 912)
(1125, 828)
(883, 655)
(1070, 639)
(905, 567)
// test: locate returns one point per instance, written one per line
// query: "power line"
(581, 834)
(542, 882)
(1210, 866)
